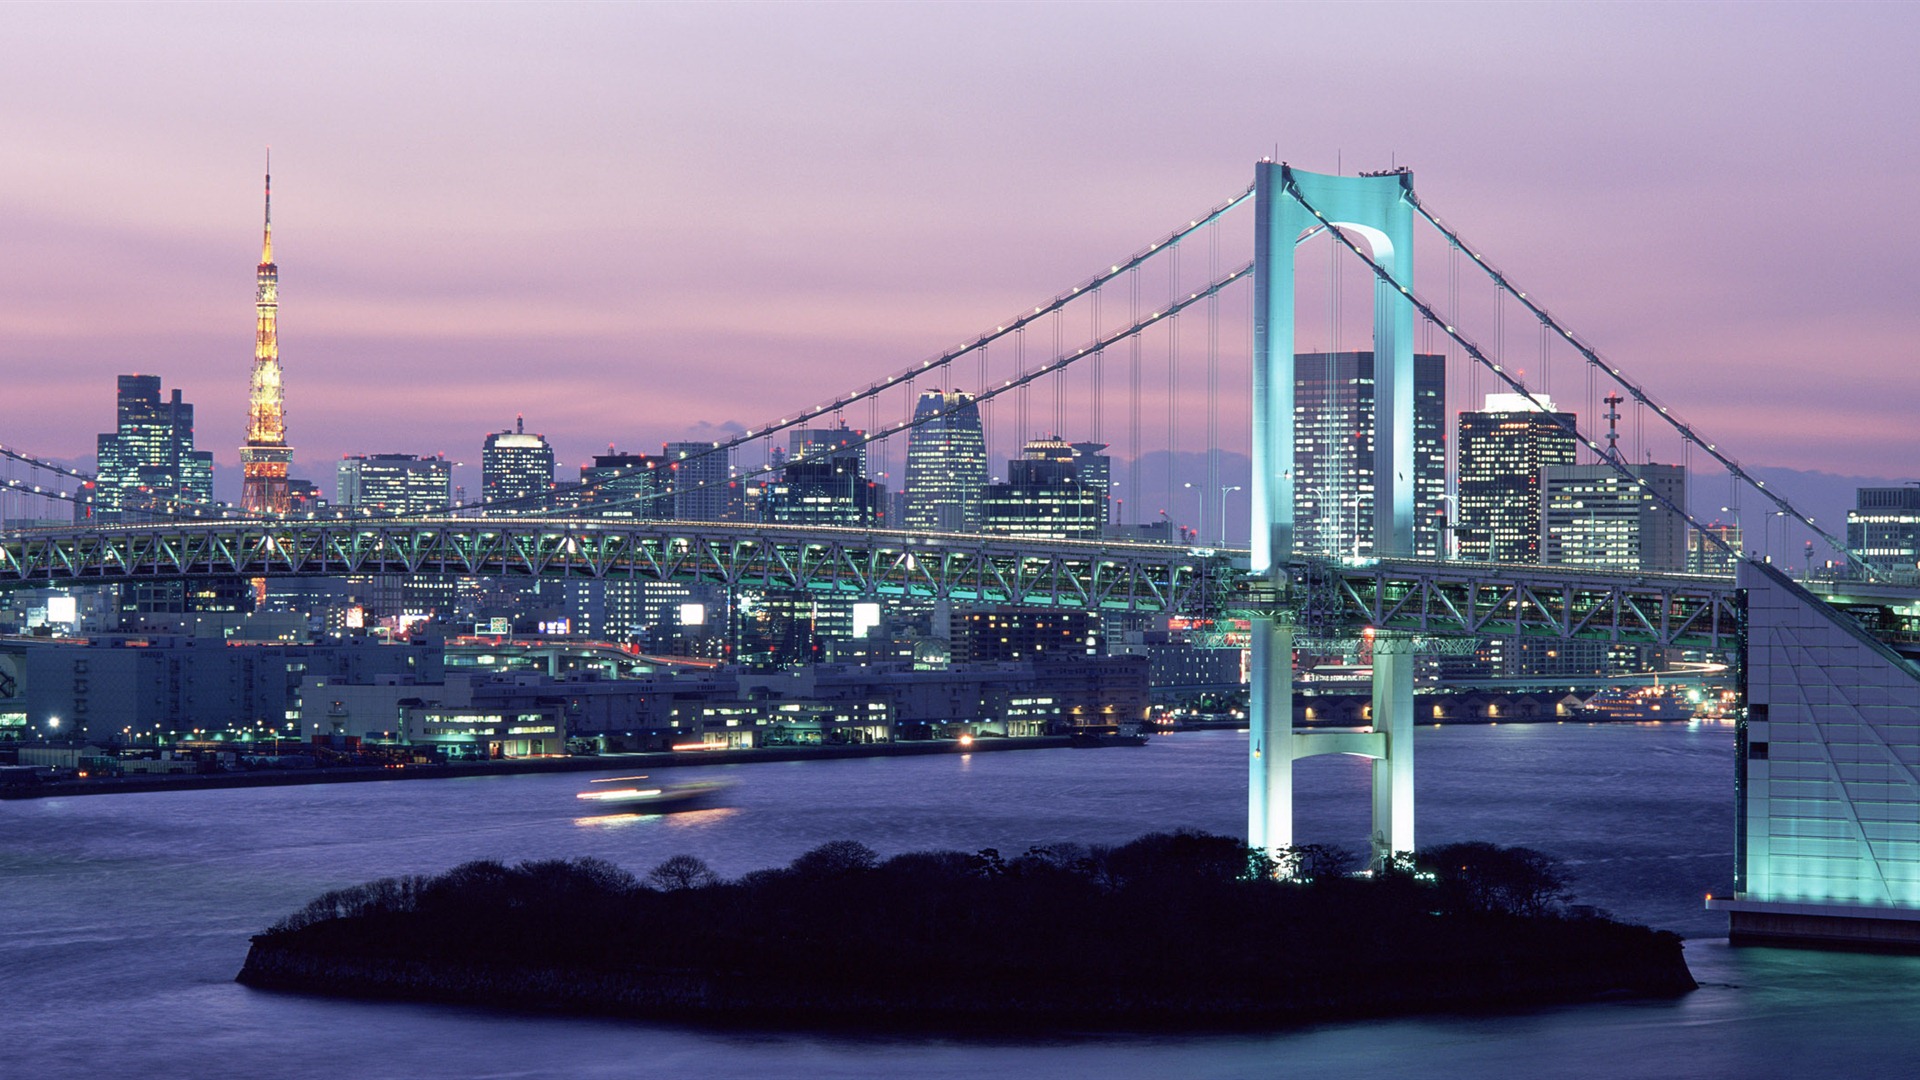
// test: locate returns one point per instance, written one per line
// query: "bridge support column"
(1270, 736)
(1393, 661)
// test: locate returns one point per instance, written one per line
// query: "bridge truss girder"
(961, 568)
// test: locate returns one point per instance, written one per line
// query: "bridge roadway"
(1431, 597)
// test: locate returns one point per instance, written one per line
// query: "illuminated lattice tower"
(265, 457)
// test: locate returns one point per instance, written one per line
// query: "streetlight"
(1200, 512)
(1223, 511)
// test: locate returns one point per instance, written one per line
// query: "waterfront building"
(946, 464)
(1593, 516)
(120, 690)
(266, 457)
(1333, 453)
(516, 472)
(1044, 497)
(1503, 449)
(399, 485)
(702, 482)
(1827, 798)
(147, 465)
(1883, 528)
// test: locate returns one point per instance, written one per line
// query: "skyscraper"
(1044, 496)
(946, 464)
(399, 484)
(702, 482)
(266, 456)
(1503, 449)
(516, 472)
(1594, 516)
(147, 464)
(1333, 453)
(1096, 474)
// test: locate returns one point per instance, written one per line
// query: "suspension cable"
(1594, 359)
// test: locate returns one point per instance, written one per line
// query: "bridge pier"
(1270, 751)
(1393, 662)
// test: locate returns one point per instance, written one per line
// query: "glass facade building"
(516, 472)
(1827, 772)
(946, 464)
(1333, 453)
(1883, 528)
(147, 464)
(1044, 496)
(1503, 450)
(399, 484)
(1593, 516)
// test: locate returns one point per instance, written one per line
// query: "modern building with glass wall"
(1827, 770)
(946, 464)
(1044, 496)
(1333, 453)
(516, 472)
(398, 484)
(1503, 449)
(147, 464)
(624, 487)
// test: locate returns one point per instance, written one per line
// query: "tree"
(682, 872)
(1478, 876)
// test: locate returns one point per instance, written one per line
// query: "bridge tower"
(266, 456)
(1288, 204)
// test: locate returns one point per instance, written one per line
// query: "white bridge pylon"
(1375, 207)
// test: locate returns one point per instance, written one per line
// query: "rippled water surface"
(124, 918)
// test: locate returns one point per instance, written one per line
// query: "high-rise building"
(1594, 516)
(838, 442)
(702, 482)
(1096, 474)
(1883, 528)
(624, 487)
(1044, 496)
(946, 464)
(516, 472)
(1333, 453)
(1503, 448)
(1706, 557)
(403, 485)
(148, 465)
(265, 458)
(825, 488)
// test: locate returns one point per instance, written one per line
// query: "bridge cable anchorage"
(1052, 307)
(1512, 383)
(1605, 368)
(1054, 367)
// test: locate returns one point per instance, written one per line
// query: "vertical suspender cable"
(1099, 371)
(1173, 378)
(1213, 381)
(1133, 395)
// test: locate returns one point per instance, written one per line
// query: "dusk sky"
(634, 223)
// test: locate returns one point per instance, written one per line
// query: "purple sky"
(627, 222)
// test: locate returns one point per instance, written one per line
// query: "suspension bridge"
(1378, 574)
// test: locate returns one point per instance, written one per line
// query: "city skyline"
(542, 282)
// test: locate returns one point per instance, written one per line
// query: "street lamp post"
(1223, 511)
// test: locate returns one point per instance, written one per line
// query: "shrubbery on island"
(1171, 930)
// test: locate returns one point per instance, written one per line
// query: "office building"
(1503, 449)
(147, 464)
(1704, 556)
(1044, 496)
(624, 487)
(946, 464)
(398, 485)
(516, 472)
(702, 482)
(1596, 517)
(1883, 528)
(1333, 453)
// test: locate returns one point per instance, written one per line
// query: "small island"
(1171, 931)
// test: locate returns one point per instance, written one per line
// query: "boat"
(637, 795)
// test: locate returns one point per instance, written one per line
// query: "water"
(124, 918)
